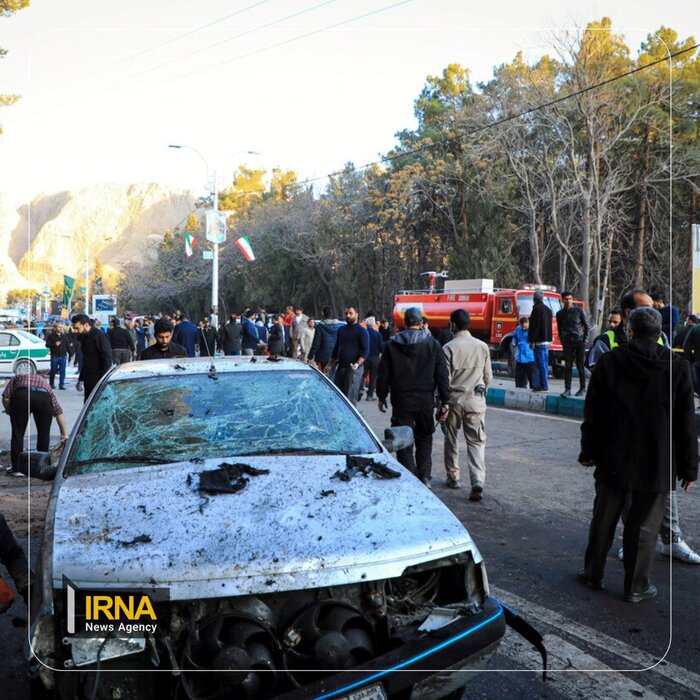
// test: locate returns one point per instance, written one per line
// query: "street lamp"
(215, 207)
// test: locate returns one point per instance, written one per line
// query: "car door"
(9, 349)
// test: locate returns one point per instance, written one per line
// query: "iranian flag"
(244, 246)
(190, 243)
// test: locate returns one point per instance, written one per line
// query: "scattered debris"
(168, 411)
(274, 358)
(178, 366)
(365, 466)
(327, 492)
(228, 478)
(253, 358)
(139, 539)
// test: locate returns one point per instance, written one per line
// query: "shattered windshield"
(157, 420)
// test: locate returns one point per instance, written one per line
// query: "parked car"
(284, 551)
(22, 353)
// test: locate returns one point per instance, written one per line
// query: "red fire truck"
(494, 313)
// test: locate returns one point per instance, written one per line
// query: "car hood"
(296, 527)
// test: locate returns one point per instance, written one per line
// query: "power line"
(278, 44)
(183, 36)
(233, 38)
(475, 130)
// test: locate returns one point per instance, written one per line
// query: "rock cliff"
(115, 224)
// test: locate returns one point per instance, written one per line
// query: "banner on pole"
(216, 226)
(68, 287)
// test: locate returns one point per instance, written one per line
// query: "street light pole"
(87, 274)
(214, 317)
(214, 320)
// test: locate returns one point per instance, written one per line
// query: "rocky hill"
(117, 224)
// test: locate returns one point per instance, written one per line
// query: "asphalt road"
(531, 528)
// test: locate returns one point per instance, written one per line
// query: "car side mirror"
(398, 438)
(37, 465)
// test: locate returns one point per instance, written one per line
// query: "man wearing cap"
(412, 365)
(540, 336)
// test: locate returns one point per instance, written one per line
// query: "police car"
(22, 353)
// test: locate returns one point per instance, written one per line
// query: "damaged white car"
(237, 531)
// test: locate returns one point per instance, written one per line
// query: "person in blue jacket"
(250, 340)
(325, 338)
(187, 335)
(524, 356)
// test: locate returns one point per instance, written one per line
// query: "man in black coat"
(96, 351)
(230, 336)
(275, 339)
(573, 328)
(412, 365)
(628, 436)
(539, 334)
(163, 348)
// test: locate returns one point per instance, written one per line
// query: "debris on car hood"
(228, 478)
(355, 465)
(281, 529)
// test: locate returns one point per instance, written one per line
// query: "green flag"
(68, 285)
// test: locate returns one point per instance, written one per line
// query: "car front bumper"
(429, 666)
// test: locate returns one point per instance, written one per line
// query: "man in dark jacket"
(350, 352)
(57, 343)
(275, 338)
(631, 428)
(163, 348)
(230, 336)
(325, 338)
(412, 365)
(207, 339)
(540, 336)
(573, 332)
(250, 340)
(187, 335)
(669, 316)
(691, 350)
(371, 366)
(121, 341)
(96, 352)
(682, 332)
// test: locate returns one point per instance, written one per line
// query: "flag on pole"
(243, 244)
(190, 243)
(68, 286)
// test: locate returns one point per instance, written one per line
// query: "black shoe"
(565, 394)
(596, 585)
(476, 493)
(644, 595)
(581, 391)
(426, 482)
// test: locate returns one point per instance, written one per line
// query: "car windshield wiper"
(129, 460)
(293, 451)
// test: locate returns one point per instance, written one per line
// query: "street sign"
(216, 226)
(208, 254)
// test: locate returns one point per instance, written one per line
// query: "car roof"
(200, 365)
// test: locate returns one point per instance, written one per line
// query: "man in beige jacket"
(469, 367)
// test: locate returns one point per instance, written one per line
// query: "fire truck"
(494, 313)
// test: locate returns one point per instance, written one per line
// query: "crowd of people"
(630, 425)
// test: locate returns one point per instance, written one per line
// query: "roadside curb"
(526, 400)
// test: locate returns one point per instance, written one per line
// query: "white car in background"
(22, 353)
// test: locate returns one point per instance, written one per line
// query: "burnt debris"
(228, 478)
(364, 466)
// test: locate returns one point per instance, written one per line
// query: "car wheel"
(24, 366)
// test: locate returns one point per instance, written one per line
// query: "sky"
(308, 84)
